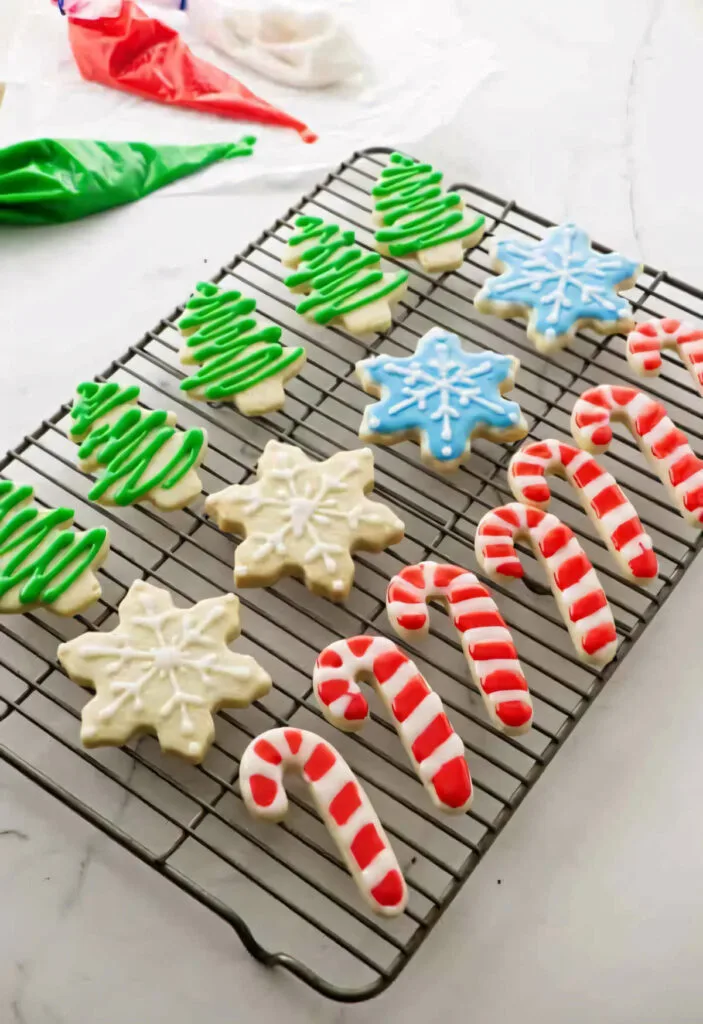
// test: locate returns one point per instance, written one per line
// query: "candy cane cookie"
(665, 447)
(612, 514)
(645, 343)
(485, 638)
(343, 805)
(575, 585)
(436, 752)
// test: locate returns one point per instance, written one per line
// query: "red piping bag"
(141, 55)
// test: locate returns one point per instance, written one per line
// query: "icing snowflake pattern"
(441, 391)
(561, 280)
(305, 516)
(163, 670)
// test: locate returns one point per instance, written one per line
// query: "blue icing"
(442, 391)
(561, 279)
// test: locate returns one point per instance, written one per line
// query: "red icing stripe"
(533, 516)
(609, 498)
(397, 592)
(652, 362)
(507, 515)
(513, 568)
(567, 452)
(294, 738)
(390, 890)
(343, 805)
(626, 532)
(602, 436)
(467, 592)
(596, 397)
(329, 659)
(588, 472)
(473, 620)
(452, 782)
(622, 396)
(555, 540)
(669, 443)
(490, 530)
(514, 713)
(430, 738)
(445, 574)
(644, 565)
(539, 450)
(499, 551)
(598, 637)
(649, 329)
(319, 762)
(267, 752)
(412, 694)
(359, 645)
(587, 419)
(387, 664)
(648, 419)
(502, 679)
(536, 492)
(366, 845)
(263, 790)
(684, 468)
(669, 325)
(527, 469)
(489, 650)
(412, 621)
(413, 574)
(644, 345)
(587, 605)
(332, 689)
(571, 571)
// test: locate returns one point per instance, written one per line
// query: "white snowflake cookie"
(304, 518)
(163, 670)
(441, 396)
(559, 285)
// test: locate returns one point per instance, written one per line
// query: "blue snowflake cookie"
(559, 285)
(441, 396)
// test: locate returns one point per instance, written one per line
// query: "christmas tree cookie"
(137, 455)
(43, 561)
(238, 360)
(342, 283)
(559, 285)
(417, 219)
(304, 518)
(163, 670)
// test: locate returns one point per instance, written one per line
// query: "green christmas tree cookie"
(342, 283)
(418, 219)
(43, 561)
(238, 360)
(137, 455)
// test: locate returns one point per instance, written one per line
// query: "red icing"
(294, 738)
(669, 443)
(390, 891)
(412, 694)
(467, 592)
(693, 500)
(488, 650)
(536, 492)
(452, 782)
(555, 540)
(649, 329)
(541, 451)
(413, 574)
(670, 326)
(503, 679)
(359, 645)
(329, 659)
(508, 515)
(411, 622)
(626, 532)
(263, 790)
(357, 708)
(596, 397)
(567, 452)
(267, 752)
(648, 419)
(622, 396)
(608, 499)
(472, 620)
(366, 845)
(514, 713)
(444, 574)
(343, 805)
(529, 468)
(645, 565)
(319, 762)
(588, 472)
(386, 664)
(601, 436)
(332, 689)
(397, 592)
(499, 551)
(533, 517)
(491, 530)
(684, 468)
(598, 637)
(430, 738)
(571, 571)
(587, 605)
(511, 569)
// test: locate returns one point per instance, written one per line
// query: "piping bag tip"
(308, 136)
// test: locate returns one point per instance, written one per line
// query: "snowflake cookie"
(442, 397)
(304, 518)
(559, 285)
(163, 670)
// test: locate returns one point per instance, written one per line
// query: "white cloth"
(307, 49)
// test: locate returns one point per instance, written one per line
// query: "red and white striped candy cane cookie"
(434, 748)
(343, 805)
(664, 445)
(485, 638)
(645, 343)
(611, 512)
(575, 585)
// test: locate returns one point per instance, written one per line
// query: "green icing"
(406, 188)
(127, 446)
(234, 352)
(37, 551)
(336, 271)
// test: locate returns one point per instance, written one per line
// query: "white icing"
(493, 633)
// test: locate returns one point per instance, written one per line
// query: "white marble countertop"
(598, 913)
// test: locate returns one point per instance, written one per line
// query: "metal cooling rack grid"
(284, 888)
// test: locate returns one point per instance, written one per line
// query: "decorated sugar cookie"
(304, 518)
(343, 805)
(137, 455)
(645, 344)
(163, 670)
(342, 283)
(417, 219)
(44, 562)
(238, 360)
(442, 397)
(559, 285)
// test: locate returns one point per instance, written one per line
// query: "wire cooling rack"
(283, 887)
